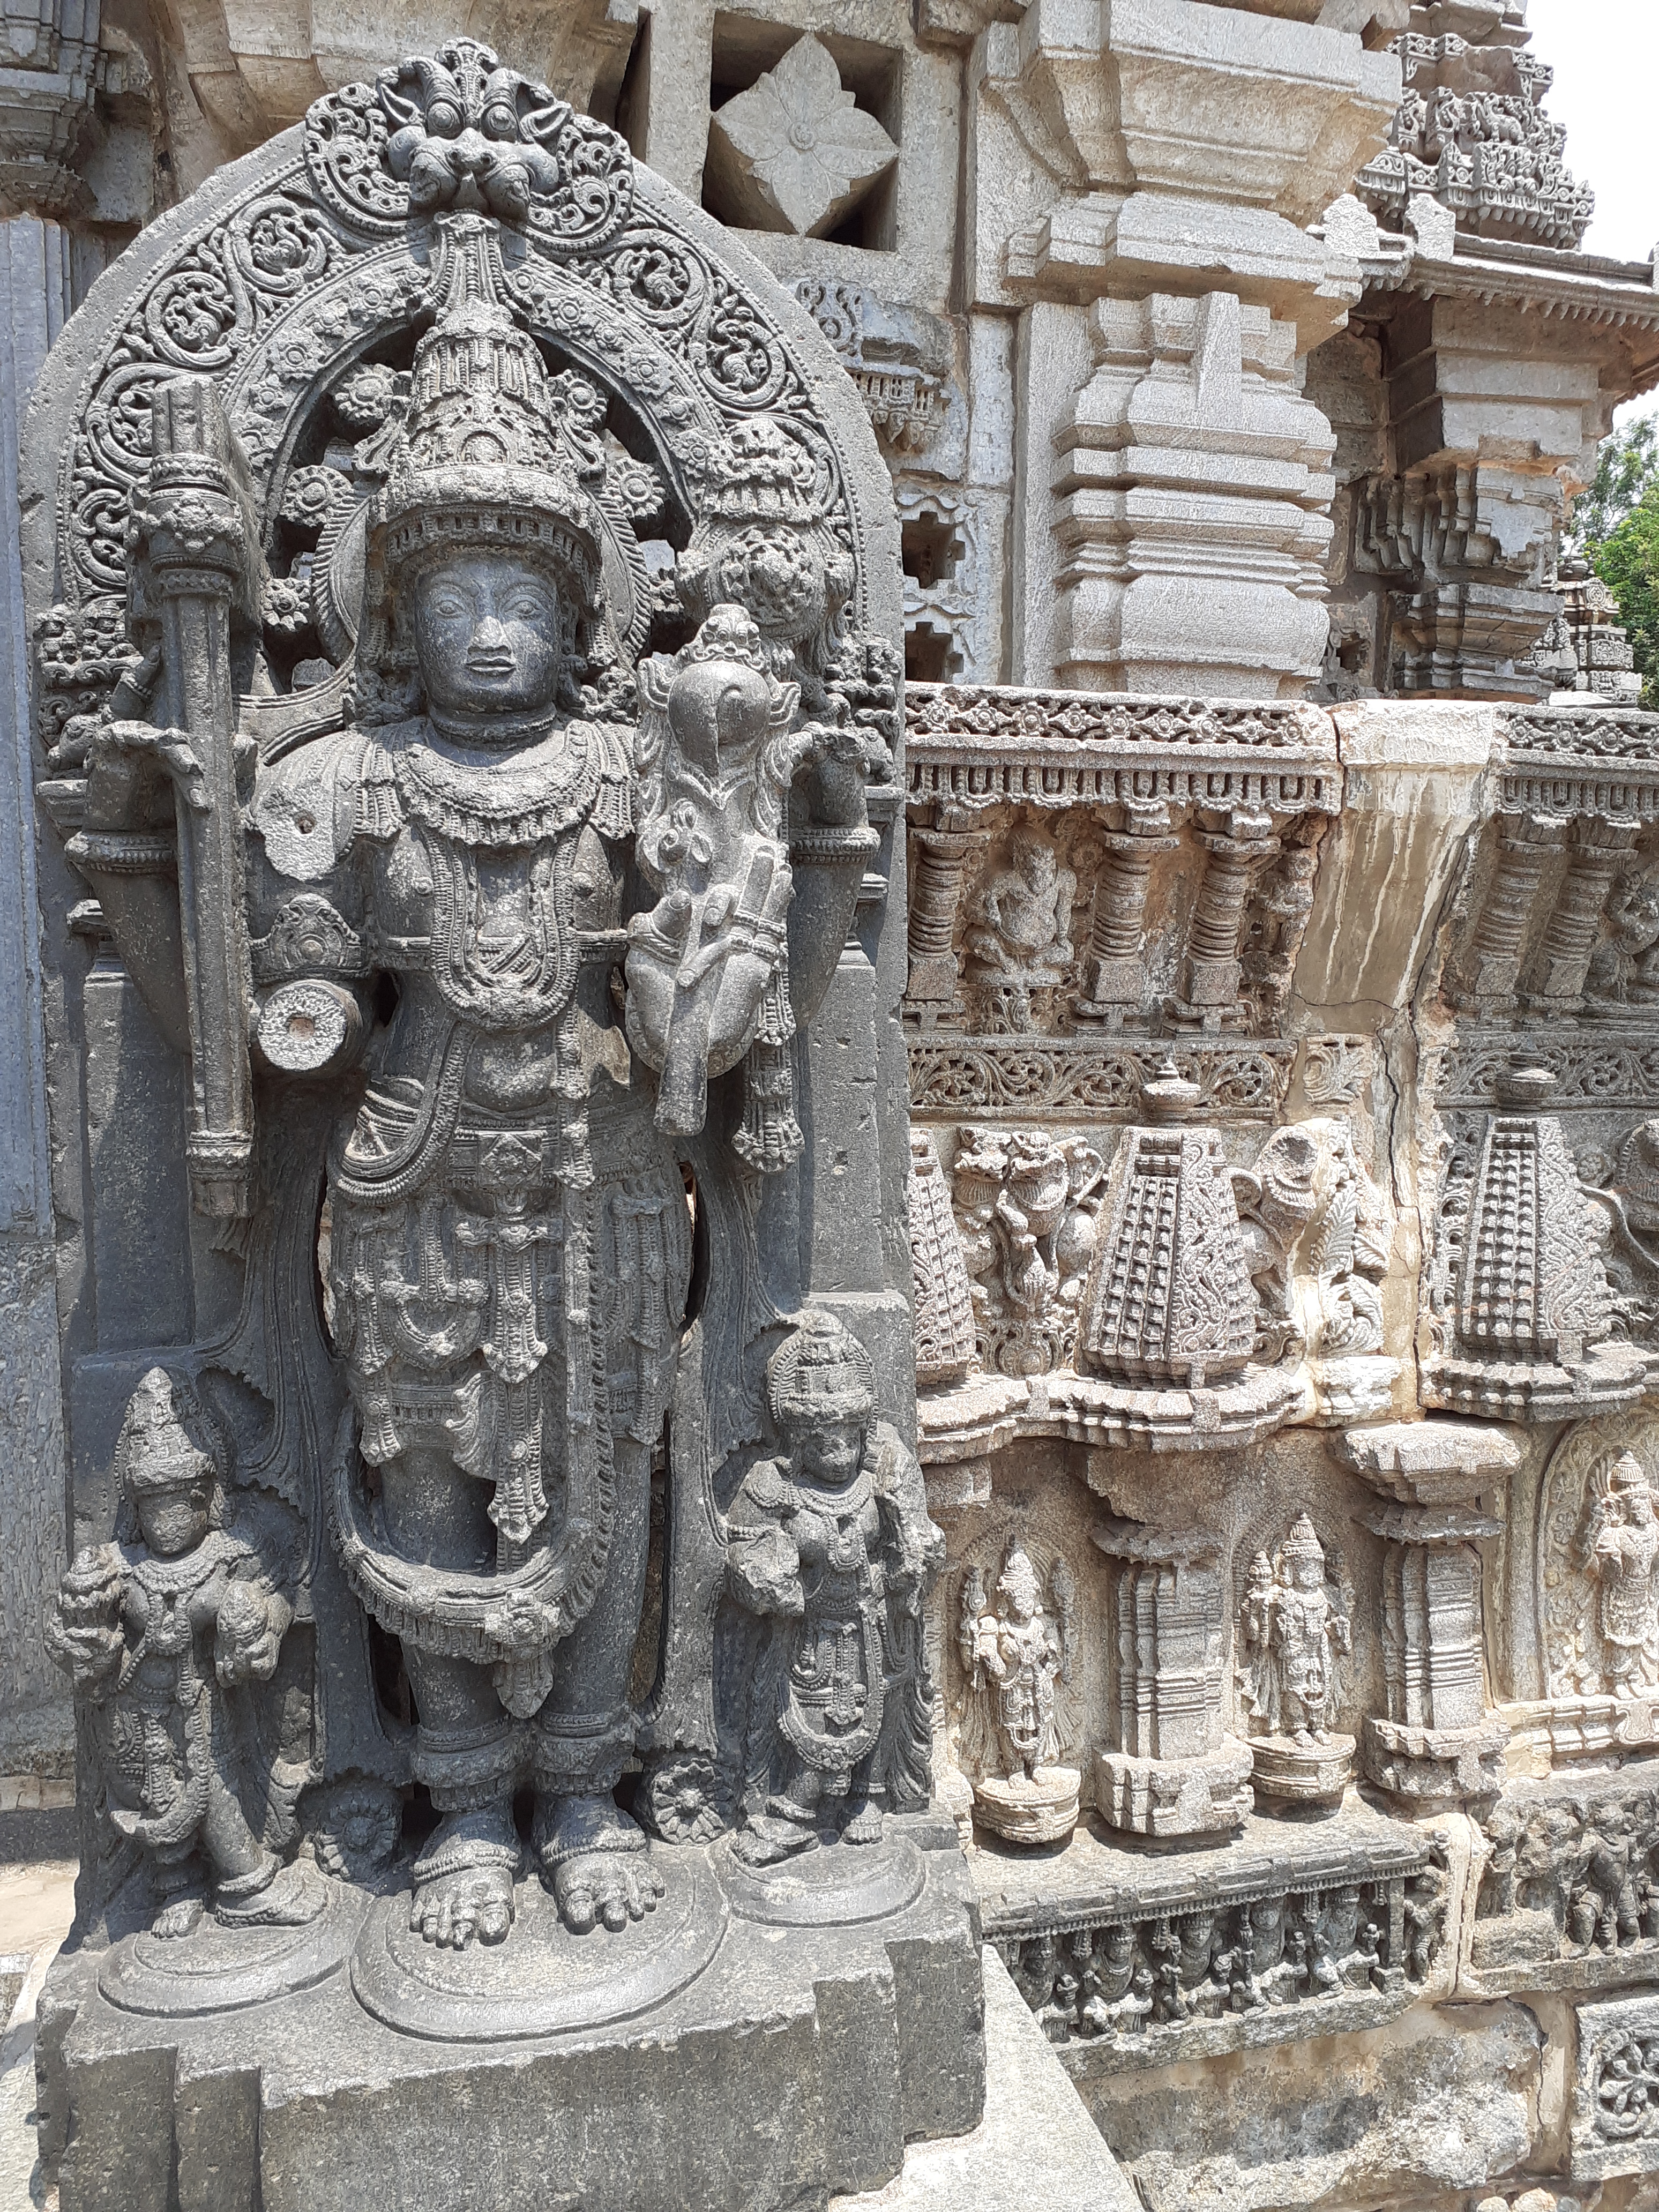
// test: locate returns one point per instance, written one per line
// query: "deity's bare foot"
(180, 1916)
(464, 1879)
(863, 1824)
(596, 1861)
(769, 1839)
(293, 1895)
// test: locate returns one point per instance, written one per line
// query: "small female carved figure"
(1621, 1548)
(161, 1632)
(832, 1545)
(1293, 1630)
(1019, 1648)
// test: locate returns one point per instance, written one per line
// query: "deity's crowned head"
(171, 1484)
(1019, 1583)
(1629, 1486)
(484, 554)
(821, 1389)
(1303, 1556)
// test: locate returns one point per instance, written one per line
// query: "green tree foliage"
(1626, 466)
(1627, 562)
(1615, 525)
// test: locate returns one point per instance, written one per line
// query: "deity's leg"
(467, 1749)
(594, 1856)
(788, 1826)
(862, 1818)
(251, 1885)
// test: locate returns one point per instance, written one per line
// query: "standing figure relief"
(518, 931)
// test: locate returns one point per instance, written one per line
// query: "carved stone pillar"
(1560, 965)
(1113, 972)
(1484, 980)
(1171, 1769)
(1439, 1744)
(1207, 991)
(941, 859)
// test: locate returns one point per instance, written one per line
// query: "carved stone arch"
(271, 279)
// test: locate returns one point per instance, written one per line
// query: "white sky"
(1606, 58)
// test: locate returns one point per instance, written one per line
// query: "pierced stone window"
(804, 133)
(931, 655)
(929, 549)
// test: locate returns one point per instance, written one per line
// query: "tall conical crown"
(479, 461)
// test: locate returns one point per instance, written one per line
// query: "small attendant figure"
(832, 1547)
(163, 1633)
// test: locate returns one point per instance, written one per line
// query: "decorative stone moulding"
(1438, 1743)
(1171, 1769)
(1525, 1330)
(1288, 1933)
(795, 153)
(1615, 2097)
(1471, 131)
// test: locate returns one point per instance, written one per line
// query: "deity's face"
(172, 1521)
(829, 1452)
(1034, 858)
(487, 635)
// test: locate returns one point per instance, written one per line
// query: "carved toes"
(454, 1909)
(606, 1886)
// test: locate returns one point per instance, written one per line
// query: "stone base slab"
(1286, 1773)
(1167, 1797)
(1436, 1767)
(1038, 1808)
(792, 2065)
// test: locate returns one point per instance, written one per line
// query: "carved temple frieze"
(1053, 832)
(1283, 1935)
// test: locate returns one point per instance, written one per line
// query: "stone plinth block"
(1433, 1766)
(1286, 1773)
(1035, 1808)
(1167, 1797)
(703, 2061)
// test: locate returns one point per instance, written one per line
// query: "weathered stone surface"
(1444, 2104)
(1282, 1185)
(1034, 2124)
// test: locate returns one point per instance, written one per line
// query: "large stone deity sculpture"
(481, 806)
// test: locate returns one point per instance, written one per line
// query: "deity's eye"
(448, 605)
(528, 602)
(500, 120)
(443, 119)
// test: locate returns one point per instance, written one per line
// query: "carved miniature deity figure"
(1026, 1207)
(831, 1547)
(164, 1632)
(1020, 940)
(1292, 1630)
(1620, 1549)
(1021, 1654)
(1624, 966)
